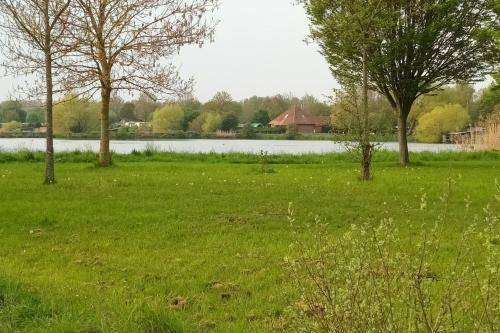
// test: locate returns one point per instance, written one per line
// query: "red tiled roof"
(294, 116)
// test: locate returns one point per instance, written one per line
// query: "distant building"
(135, 124)
(304, 122)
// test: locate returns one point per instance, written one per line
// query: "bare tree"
(124, 44)
(32, 31)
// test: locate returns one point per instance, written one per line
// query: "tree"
(418, 47)
(145, 106)
(75, 115)
(462, 94)
(127, 111)
(12, 111)
(124, 42)
(441, 120)
(229, 122)
(192, 108)
(212, 123)
(33, 29)
(223, 103)
(488, 100)
(313, 106)
(34, 118)
(261, 117)
(168, 118)
(353, 24)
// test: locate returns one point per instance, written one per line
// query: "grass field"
(194, 243)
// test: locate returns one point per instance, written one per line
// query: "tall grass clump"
(489, 137)
(387, 278)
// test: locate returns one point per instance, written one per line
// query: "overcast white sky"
(258, 50)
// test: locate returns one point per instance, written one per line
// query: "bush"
(11, 127)
(376, 278)
(441, 120)
(248, 132)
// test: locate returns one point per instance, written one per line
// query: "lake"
(297, 147)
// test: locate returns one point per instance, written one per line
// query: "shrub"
(377, 278)
(248, 132)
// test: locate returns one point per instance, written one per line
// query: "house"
(304, 122)
(135, 124)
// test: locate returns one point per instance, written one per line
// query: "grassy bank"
(166, 242)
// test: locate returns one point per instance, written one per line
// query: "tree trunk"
(105, 154)
(366, 147)
(404, 158)
(49, 165)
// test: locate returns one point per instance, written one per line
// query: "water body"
(296, 147)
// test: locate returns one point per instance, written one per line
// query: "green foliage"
(461, 94)
(212, 123)
(248, 132)
(488, 101)
(75, 115)
(379, 278)
(35, 117)
(127, 112)
(261, 117)
(229, 122)
(222, 103)
(168, 118)
(12, 111)
(441, 120)
(10, 127)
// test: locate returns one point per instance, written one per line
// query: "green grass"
(194, 243)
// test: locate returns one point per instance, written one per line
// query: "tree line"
(450, 109)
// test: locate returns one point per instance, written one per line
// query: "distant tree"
(223, 103)
(75, 115)
(12, 111)
(418, 47)
(261, 117)
(33, 47)
(145, 106)
(313, 106)
(192, 109)
(488, 100)
(212, 123)
(127, 111)
(462, 94)
(34, 118)
(124, 44)
(229, 122)
(441, 120)
(115, 106)
(197, 123)
(168, 118)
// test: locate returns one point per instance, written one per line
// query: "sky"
(259, 49)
